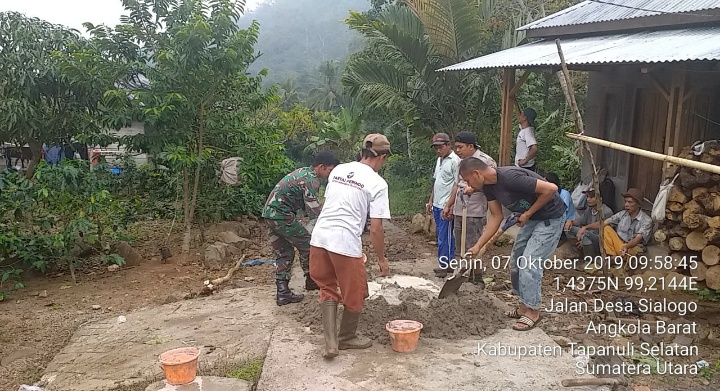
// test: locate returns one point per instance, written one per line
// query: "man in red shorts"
(336, 258)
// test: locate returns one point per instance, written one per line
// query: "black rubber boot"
(328, 309)
(285, 295)
(348, 339)
(310, 284)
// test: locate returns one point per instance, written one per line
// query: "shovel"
(452, 285)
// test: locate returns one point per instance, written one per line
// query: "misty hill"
(296, 36)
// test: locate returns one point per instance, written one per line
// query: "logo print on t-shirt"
(351, 174)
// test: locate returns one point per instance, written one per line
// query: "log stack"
(692, 216)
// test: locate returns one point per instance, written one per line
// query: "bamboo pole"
(570, 94)
(652, 155)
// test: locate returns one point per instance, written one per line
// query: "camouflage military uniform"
(296, 191)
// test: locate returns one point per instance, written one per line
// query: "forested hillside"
(297, 36)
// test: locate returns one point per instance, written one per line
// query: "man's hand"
(624, 249)
(384, 267)
(447, 213)
(468, 190)
(474, 250)
(581, 233)
(568, 225)
(523, 218)
(428, 208)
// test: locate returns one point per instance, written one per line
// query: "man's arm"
(545, 191)
(310, 198)
(493, 224)
(451, 201)
(379, 210)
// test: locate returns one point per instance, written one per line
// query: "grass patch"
(249, 371)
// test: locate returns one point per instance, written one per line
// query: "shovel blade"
(452, 285)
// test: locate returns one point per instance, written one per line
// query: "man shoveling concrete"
(336, 257)
(522, 191)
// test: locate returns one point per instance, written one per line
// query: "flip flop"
(527, 321)
(513, 314)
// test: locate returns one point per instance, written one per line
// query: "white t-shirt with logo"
(352, 190)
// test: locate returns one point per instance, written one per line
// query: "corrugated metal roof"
(644, 47)
(592, 11)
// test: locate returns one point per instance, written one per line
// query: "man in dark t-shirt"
(542, 215)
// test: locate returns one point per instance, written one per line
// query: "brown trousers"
(331, 271)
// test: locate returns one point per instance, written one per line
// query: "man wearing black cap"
(446, 171)
(474, 202)
(526, 145)
(586, 237)
(627, 230)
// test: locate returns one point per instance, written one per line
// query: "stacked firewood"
(692, 216)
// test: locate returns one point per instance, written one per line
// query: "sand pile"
(469, 315)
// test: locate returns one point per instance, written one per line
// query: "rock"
(113, 268)
(683, 340)
(96, 307)
(215, 256)
(16, 355)
(43, 294)
(566, 251)
(121, 319)
(248, 279)
(641, 388)
(131, 256)
(418, 224)
(232, 250)
(620, 341)
(229, 237)
(562, 341)
(647, 338)
(204, 383)
(244, 231)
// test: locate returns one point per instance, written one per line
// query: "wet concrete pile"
(469, 315)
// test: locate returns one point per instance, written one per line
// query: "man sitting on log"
(626, 232)
(579, 229)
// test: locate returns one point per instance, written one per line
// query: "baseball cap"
(440, 139)
(466, 137)
(634, 193)
(377, 143)
(530, 114)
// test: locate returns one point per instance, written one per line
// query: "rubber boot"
(328, 309)
(348, 339)
(285, 295)
(310, 284)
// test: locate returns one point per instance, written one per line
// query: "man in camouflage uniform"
(296, 191)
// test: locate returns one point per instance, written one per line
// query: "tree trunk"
(661, 236)
(700, 272)
(696, 241)
(677, 244)
(711, 255)
(675, 206)
(695, 222)
(36, 148)
(186, 211)
(712, 235)
(712, 277)
(196, 181)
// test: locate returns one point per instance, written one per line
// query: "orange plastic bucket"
(180, 365)
(404, 334)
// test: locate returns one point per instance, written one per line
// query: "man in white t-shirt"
(336, 257)
(526, 145)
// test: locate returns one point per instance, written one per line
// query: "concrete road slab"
(231, 325)
(294, 363)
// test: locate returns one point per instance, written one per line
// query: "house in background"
(115, 151)
(654, 78)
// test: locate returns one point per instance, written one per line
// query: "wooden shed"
(654, 78)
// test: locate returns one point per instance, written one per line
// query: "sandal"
(527, 321)
(513, 314)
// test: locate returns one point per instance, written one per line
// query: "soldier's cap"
(440, 139)
(377, 143)
(634, 193)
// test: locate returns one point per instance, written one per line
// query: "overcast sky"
(73, 13)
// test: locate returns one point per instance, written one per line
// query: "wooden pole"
(505, 155)
(652, 155)
(581, 130)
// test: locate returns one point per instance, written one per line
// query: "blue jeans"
(445, 239)
(591, 237)
(536, 241)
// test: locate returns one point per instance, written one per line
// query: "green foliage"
(249, 371)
